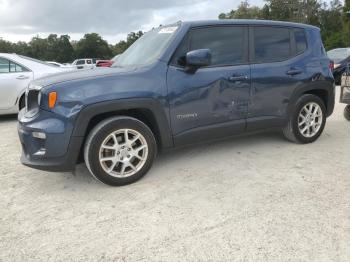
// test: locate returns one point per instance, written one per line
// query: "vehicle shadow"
(167, 161)
(8, 118)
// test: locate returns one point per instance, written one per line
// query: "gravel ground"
(252, 198)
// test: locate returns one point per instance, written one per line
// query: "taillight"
(331, 65)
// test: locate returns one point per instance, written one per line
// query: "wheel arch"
(149, 111)
(324, 91)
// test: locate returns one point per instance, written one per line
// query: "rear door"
(14, 78)
(214, 97)
(277, 69)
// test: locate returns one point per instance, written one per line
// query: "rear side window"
(226, 44)
(300, 40)
(7, 66)
(16, 68)
(272, 44)
(4, 65)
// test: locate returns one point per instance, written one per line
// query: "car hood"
(79, 74)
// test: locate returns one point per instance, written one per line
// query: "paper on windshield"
(167, 30)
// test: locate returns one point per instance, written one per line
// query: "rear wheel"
(308, 120)
(347, 112)
(119, 151)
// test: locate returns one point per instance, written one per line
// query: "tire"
(347, 112)
(115, 160)
(292, 131)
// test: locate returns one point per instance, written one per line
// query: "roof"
(248, 22)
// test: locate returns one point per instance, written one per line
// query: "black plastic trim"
(151, 104)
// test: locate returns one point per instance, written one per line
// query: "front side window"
(271, 44)
(226, 44)
(80, 62)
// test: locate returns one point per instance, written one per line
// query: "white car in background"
(84, 63)
(16, 72)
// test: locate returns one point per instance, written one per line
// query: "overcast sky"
(113, 19)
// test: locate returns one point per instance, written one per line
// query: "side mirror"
(198, 58)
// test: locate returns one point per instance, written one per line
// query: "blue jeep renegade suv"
(178, 84)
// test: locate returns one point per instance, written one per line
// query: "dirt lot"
(253, 198)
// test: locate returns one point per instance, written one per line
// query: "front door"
(213, 101)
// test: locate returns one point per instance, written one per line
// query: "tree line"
(62, 49)
(332, 18)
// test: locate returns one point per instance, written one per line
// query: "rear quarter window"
(300, 40)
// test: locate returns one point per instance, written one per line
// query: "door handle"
(294, 71)
(237, 78)
(22, 77)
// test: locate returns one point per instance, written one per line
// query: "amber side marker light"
(52, 99)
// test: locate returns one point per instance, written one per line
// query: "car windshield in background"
(337, 55)
(148, 48)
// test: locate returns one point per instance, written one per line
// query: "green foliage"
(92, 45)
(62, 49)
(334, 20)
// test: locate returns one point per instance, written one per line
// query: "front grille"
(32, 105)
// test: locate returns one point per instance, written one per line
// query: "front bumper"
(58, 151)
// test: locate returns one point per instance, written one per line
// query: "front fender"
(89, 112)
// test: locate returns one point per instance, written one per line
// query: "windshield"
(148, 48)
(337, 55)
(115, 58)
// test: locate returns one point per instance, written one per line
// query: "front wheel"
(120, 150)
(306, 123)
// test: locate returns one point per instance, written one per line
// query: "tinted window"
(80, 62)
(16, 68)
(272, 44)
(225, 43)
(7, 66)
(300, 40)
(4, 65)
(88, 62)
